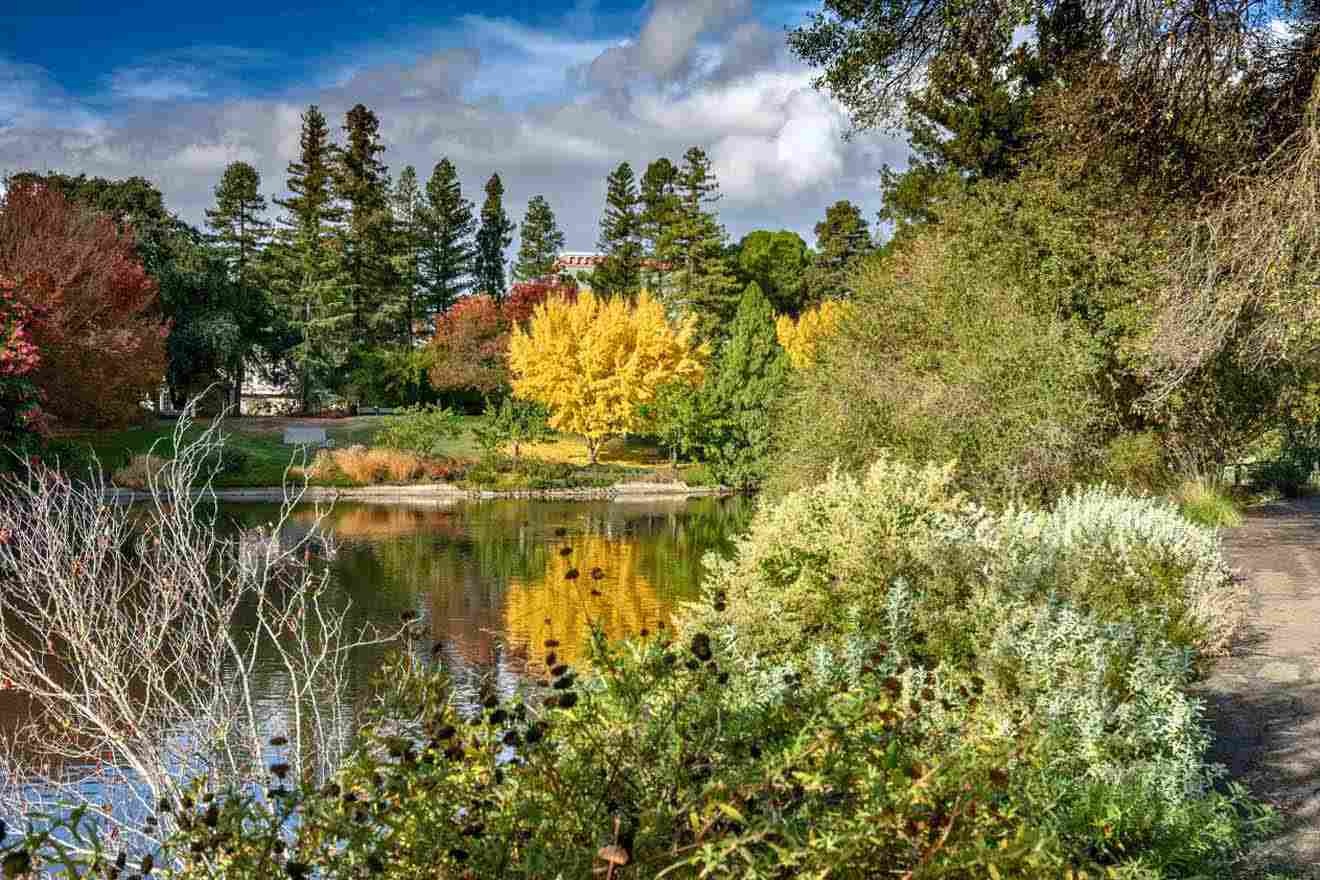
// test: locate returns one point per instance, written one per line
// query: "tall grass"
(1206, 504)
(369, 466)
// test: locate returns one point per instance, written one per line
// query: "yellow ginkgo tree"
(802, 337)
(595, 362)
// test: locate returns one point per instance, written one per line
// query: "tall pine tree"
(304, 265)
(493, 238)
(659, 203)
(620, 237)
(541, 242)
(750, 376)
(406, 207)
(239, 231)
(694, 241)
(445, 248)
(362, 184)
(841, 238)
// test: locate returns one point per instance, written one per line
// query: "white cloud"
(494, 95)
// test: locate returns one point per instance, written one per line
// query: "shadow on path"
(1263, 701)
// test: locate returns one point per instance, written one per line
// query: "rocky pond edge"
(439, 493)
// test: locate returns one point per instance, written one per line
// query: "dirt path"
(1264, 701)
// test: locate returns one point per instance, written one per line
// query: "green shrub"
(1084, 619)
(1137, 461)
(420, 429)
(670, 755)
(511, 424)
(1207, 505)
(946, 358)
(1125, 559)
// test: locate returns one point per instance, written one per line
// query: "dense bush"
(420, 429)
(991, 338)
(1084, 619)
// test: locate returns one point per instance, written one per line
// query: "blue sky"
(549, 94)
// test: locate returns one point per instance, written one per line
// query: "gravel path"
(1264, 701)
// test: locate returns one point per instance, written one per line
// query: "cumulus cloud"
(550, 111)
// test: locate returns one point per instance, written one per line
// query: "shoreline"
(441, 493)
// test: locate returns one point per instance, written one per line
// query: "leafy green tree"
(620, 237)
(779, 262)
(240, 231)
(658, 206)
(750, 377)
(494, 236)
(361, 183)
(694, 241)
(541, 242)
(841, 239)
(512, 423)
(305, 268)
(406, 206)
(446, 251)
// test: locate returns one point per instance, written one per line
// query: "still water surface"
(492, 580)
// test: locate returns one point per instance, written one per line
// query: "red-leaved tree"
(470, 349)
(99, 334)
(22, 421)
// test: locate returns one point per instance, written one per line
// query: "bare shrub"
(1242, 282)
(154, 650)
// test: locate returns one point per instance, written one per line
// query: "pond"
(491, 581)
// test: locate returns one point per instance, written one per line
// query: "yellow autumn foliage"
(802, 337)
(593, 362)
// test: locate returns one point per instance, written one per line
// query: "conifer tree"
(620, 237)
(659, 203)
(493, 237)
(541, 242)
(303, 264)
(312, 207)
(445, 250)
(751, 373)
(239, 231)
(361, 182)
(841, 238)
(406, 207)
(694, 241)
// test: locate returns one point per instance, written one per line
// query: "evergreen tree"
(541, 242)
(780, 263)
(239, 232)
(493, 237)
(311, 208)
(659, 203)
(750, 376)
(841, 238)
(361, 182)
(406, 206)
(445, 250)
(694, 241)
(303, 266)
(620, 237)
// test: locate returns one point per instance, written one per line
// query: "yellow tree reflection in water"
(621, 600)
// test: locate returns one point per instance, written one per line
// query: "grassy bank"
(255, 456)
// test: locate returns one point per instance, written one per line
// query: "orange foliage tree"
(470, 350)
(100, 336)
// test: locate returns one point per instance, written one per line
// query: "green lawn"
(262, 458)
